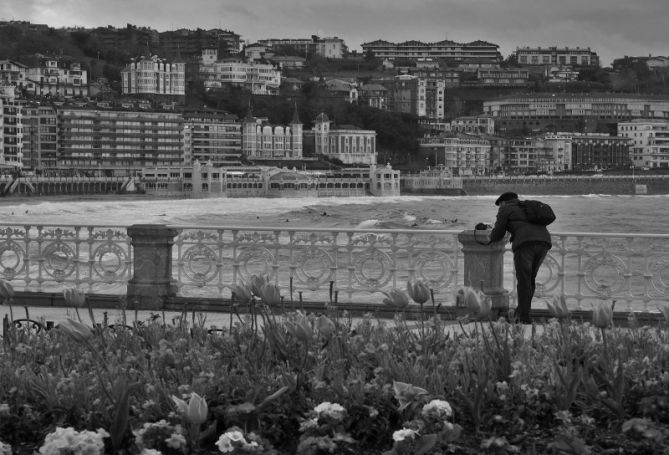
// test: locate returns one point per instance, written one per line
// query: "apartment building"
(12, 73)
(258, 78)
(263, 141)
(474, 124)
(326, 47)
(184, 43)
(11, 129)
(118, 142)
(347, 143)
(578, 56)
(446, 50)
(565, 111)
(374, 95)
(54, 77)
(462, 154)
(502, 77)
(212, 137)
(418, 96)
(599, 151)
(154, 76)
(40, 137)
(650, 142)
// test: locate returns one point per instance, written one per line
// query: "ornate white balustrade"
(48, 257)
(317, 264)
(323, 265)
(632, 269)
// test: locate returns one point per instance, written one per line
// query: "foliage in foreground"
(315, 384)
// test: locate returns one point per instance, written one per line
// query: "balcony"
(164, 265)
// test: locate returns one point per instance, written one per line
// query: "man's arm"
(499, 230)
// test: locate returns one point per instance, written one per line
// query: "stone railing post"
(151, 282)
(484, 268)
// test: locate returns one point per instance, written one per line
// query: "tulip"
(242, 293)
(396, 298)
(197, 409)
(76, 330)
(419, 292)
(602, 316)
(74, 297)
(558, 307)
(257, 283)
(270, 294)
(325, 326)
(6, 290)
(472, 299)
(485, 307)
(300, 330)
(664, 309)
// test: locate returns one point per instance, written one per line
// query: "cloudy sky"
(612, 28)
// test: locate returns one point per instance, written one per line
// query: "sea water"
(586, 213)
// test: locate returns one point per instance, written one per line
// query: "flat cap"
(508, 196)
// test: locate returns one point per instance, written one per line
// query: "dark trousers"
(527, 259)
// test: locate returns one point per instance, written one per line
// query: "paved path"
(218, 320)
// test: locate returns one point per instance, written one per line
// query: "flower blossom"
(404, 433)
(439, 409)
(68, 441)
(232, 439)
(332, 411)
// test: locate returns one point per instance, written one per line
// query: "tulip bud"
(325, 326)
(270, 294)
(602, 316)
(257, 283)
(419, 292)
(74, 297)
(472, 299)
(664, 309)
(396, 298)
(197, 409)
(242, 294)
(485, 308)
(558, 307)
(6, 290)
(76, 330)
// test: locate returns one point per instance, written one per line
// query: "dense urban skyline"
(612, 28)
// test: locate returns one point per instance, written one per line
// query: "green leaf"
(120, 422)
(426, 443)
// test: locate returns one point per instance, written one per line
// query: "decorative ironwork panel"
(321, 264)
(632, 270)
(49, 258)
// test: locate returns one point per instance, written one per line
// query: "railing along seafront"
(341, 266)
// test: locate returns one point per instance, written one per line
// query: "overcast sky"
(612, 28)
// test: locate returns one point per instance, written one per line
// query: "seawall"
(567, 185)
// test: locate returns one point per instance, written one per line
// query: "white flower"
(5, 449)
(401, 435)
(150, 452)
(76, 443)
(232, 435)
(438, 408)
(176, 441)
(332, 410)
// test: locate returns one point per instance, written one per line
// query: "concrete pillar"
(484, 267)
(151, 282)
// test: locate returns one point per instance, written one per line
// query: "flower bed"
(299, 383)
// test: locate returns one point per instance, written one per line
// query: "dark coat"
(511, 217)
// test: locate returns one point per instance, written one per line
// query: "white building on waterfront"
(347, 143)
(651, 142)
